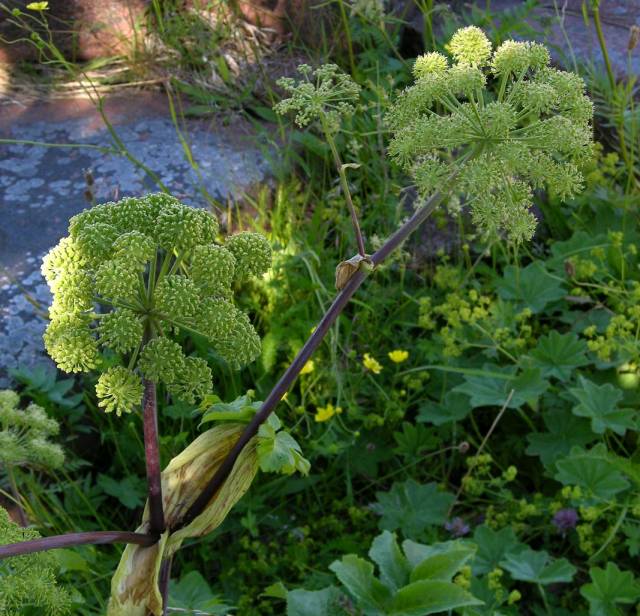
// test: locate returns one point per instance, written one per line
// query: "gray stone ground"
(40, 188)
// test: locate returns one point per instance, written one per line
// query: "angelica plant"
(502, 121)
(325, 96)
(129, 277)
(25, 441)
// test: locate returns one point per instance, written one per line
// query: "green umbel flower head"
(25, 434)
(324, 94)
(133, 274)
(501, 125)
(28, 583)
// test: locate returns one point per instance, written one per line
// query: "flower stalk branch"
(71, 539)
(152, 457)
(312, 343)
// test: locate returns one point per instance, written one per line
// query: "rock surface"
(562, 25)
(41, 187)
(81, 29)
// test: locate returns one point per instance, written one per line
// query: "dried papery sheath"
(134, 587)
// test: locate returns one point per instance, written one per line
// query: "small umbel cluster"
(493, 126)
(324, 94)
(25, 434)
(133, 275)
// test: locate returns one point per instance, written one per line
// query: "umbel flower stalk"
(493, 126)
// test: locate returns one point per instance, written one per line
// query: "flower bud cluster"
(325, 94)
(30, 579)
(502, 124)
(25, 433)
(133, 274)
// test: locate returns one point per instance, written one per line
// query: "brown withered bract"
(346, 269)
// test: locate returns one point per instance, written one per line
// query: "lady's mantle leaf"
(538, 567)
(558, 355)
(412, 507)
(356, 574)
(600, 404)
(592, 469)
(608, 587)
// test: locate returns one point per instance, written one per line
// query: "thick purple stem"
(163, 583)
(152, 457)
(292, 372)
(71, 539)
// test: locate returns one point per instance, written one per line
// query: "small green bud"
(161, 359)
(121, 330)
(119, 390)
(252, 253)
(193, 380)
(470, 45)
(429, 63)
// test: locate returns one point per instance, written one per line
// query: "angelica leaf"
(278, 451)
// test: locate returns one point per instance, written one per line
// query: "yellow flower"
(398, 356)
(38, 6)
(308, 367)
(327, 412)
(371, 363)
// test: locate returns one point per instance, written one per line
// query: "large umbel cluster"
(133, 275)
(504, 122)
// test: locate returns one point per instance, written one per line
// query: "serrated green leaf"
(537, 567)
(129, 491)
(278, 451)
(532, 287)
(454, 407)
(592, 470)
(241, 410)
(392, 564)
(356, 575)
(599, 403)
(493, 546)
(494, 391)
(565, 431)
(193, 592)
(443, 566)
(609, 587)
(558, 355)
(411, 507)
(325, 602)
(429, 597)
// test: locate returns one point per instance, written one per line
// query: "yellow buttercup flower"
(327, 412)
(308, 367)
(398, 356)
(371, 363)
(38, 6)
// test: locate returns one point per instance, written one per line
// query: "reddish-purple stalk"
(71, 539)
(163, 583)
(267, 407)
(152, 458)
(292, 372)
